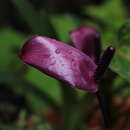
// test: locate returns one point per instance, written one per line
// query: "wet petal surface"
(60, 61)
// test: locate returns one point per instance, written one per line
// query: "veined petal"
(60, 61)
(87, 39)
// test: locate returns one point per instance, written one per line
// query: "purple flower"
(88, 40)
(62, 61)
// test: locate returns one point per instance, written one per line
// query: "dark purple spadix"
(60, 61)
(104, 63)
(87, 39)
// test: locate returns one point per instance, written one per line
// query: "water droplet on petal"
(57, 51)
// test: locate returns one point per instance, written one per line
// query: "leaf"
(38, 22)
(78, 111)
(63, 25)
(69, 101)
(121, 63)
(124, 34)
(26, 88)
(13, 127)
(44, 82)
(112, 12)
(10, 40)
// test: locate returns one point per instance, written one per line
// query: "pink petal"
(60, 61)
(87, 39)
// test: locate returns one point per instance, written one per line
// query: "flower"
(87, 39)
(62, 61)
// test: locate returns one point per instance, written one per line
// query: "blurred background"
(28, 98)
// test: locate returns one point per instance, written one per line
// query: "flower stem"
(101, 94)
(104, 105)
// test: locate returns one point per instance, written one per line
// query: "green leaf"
(10, 40)
(124, 34)
(9, 127)
(44, 82)
(121, 63)
(28, 89)
(37, 21)
(79, 110)
(69, 101)
(63, 25)
(112, 12)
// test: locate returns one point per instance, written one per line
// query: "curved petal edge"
(60, 61)
(87, 39)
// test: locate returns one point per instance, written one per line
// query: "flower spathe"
(88, 40)
(60, 61)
